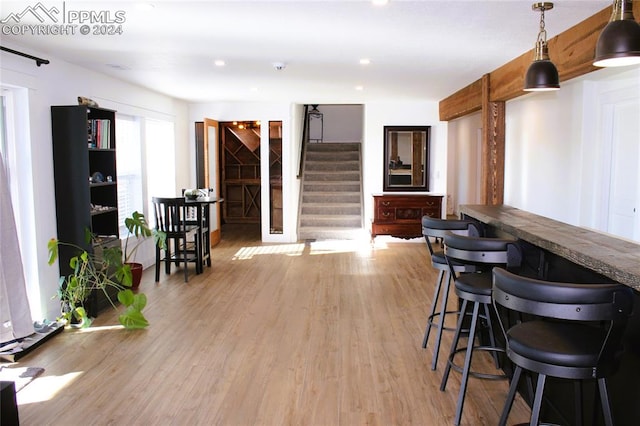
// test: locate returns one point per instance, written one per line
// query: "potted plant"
(138, 227)
(105, 270)
(91, 272)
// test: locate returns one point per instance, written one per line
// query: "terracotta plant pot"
(136, 275)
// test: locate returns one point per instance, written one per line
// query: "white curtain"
(14, 304)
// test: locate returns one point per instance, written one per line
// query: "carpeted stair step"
(331, 193)
(323, 233)
(350, 176)
(333, 208)
(335, 221)
(331, 197)
(332, 147)
(331, 166)
(335, 187)
(333, 156)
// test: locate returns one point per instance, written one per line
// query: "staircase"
(331, 193)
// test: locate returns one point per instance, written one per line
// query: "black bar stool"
(475, 288)
(583, 339)
(182, 238)
(437, 228)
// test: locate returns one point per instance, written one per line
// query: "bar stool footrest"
(479, 375)
(432, 323)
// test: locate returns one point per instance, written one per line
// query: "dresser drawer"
(401, 215)
(432, 212)
(385, 214)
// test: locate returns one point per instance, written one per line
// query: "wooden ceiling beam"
(465, 101)
(572, 52)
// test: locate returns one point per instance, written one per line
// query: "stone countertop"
(613, 257)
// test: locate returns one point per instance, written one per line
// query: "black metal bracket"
(39, 61)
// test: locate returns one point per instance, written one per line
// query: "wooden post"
(493, 143)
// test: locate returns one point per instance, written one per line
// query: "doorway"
(621, 128)
(240, 171)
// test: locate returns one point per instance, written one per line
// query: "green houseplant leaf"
(99, 271)
(138, 227)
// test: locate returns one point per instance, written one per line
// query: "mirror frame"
(388, 133)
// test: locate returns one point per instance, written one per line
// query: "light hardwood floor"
(271, 334)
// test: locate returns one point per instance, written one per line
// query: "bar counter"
(612, 257)
(556, 251)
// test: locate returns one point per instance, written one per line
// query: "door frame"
(212, 174)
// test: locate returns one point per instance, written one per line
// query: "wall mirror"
(406, 158)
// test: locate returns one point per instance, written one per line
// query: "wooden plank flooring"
(271, 334)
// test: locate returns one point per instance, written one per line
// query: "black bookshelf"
(84, 156)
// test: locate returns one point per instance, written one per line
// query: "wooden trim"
(493, 143)
(465, 101)
(215, 228)
(572, 52)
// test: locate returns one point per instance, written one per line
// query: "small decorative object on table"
(192, 194)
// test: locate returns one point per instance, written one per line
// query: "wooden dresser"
(401, 215)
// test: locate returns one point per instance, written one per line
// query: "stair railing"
(303, 144)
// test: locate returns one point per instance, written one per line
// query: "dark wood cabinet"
(401, 215)
(86, 188)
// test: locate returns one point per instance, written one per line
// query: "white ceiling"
(419, 50)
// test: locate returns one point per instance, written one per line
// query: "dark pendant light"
(619, 42)
(542, 74)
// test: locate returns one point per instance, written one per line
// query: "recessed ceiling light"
(219, 63)
(365, 61)
(359, 88)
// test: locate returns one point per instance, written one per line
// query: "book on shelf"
(99, 134)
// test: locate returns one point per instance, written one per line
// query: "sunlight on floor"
(246, 253)
(45, 388)
(361, 247)
(100, 328)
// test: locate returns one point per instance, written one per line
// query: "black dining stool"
(570, 331)
(198, 214)
(475, 287)
(436, 229)
(182, 245)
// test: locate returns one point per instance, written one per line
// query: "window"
(160, 157)
(129, 165)
(149, 163)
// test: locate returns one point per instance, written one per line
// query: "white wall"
(342, 123)
(553, 151)
(59, 83)
(542, 153)
(380, 114)
(463, 162)
(555, 159)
